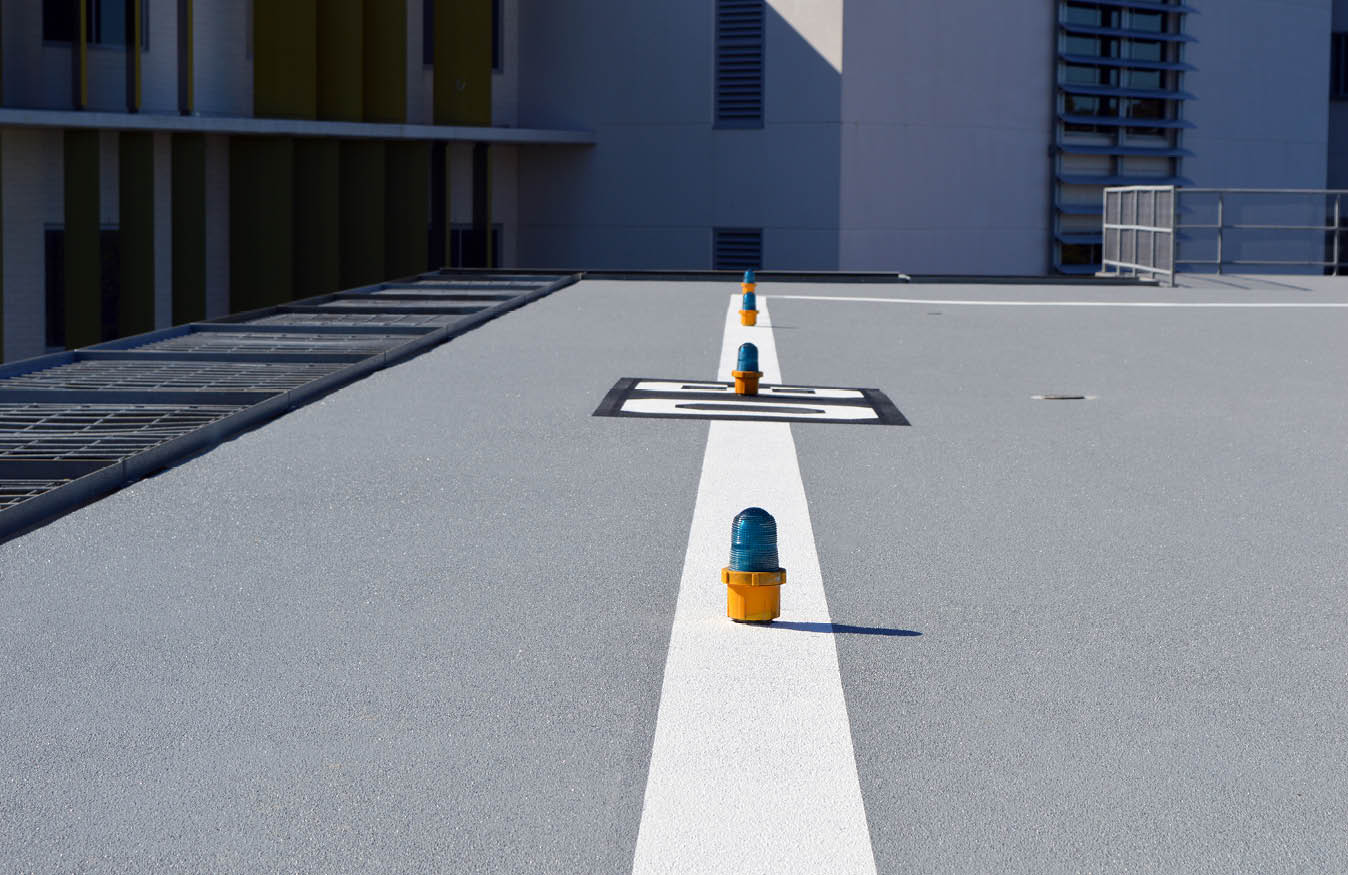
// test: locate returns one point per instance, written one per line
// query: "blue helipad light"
(753, 541)
(750, 301)
(748, 360)
(748, 276)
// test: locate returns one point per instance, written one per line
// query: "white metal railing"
(1311, 226)
(1156, 230)
(1139, 232)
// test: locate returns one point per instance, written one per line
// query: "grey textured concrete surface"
(420, 625)
(1132, 609)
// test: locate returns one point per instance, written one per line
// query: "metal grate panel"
(228, 341)
(204, 376)
(340, 318)
(97, 431)
(14, 491)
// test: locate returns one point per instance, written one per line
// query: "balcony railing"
(1154, 231)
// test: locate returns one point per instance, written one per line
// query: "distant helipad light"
(747, 373)
(753, 578)
(749, 303)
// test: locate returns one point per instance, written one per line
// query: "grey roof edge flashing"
(92, 480)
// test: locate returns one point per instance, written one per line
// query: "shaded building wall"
(1262, 83)
(1337, 157)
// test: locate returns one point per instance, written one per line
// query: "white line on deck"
(1264, 305)
(752, 768)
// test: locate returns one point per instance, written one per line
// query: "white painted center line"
(1258, 305)
(752, 768)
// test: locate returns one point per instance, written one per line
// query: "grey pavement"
(421, 625)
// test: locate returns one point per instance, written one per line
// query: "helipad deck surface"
(425, 623)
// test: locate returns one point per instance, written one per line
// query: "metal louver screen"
(739, 63)
(738, 248)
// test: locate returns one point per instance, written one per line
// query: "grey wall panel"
(1261, 116)
(947, 121)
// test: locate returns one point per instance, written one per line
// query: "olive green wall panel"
(285, 59)
(135, 189)
(340, 51)
(462, 62)
(406, 207)
(385, 67)
(189, 228)
(261, 221)
(83, 258)
(362, 212)
(317, 222)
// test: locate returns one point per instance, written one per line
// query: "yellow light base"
(748, 317)
(746, 382)
(753, 596)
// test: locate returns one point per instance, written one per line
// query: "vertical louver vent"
(738, 248)
(739, 63)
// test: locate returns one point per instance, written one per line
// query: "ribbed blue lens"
(748, 360)
(750, 302)
(748, 276)
(753, 541)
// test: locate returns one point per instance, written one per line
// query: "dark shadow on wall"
(641, 74)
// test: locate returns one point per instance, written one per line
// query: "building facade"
(168, 160)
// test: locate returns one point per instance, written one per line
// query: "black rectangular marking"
(860, 407)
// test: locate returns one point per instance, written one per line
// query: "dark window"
(106, 21)
(1151, 22)
(58, 20)
(737, 248)
(1146, 50)
(110, 297)
(1080, 75)
(1338, 67)
(463, 244)
(55, 240)
(739, 63)
(428, 31)
(496, 35)
(1145, 79)
(1081, 253)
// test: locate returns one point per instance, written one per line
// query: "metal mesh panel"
(104, 432)
(393, 304)
(14, 491)
(428, 320)
(226, 341)
(1112, 202)
(1146, 208)
(1128, 250)
(141, 375)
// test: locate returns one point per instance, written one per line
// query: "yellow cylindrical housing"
(748, 317)
(753, 596)
(748, 287)
(746, 382)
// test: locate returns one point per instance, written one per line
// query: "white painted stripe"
(1259, 305)
(782, 391)
(752, 768)
(731, 407)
